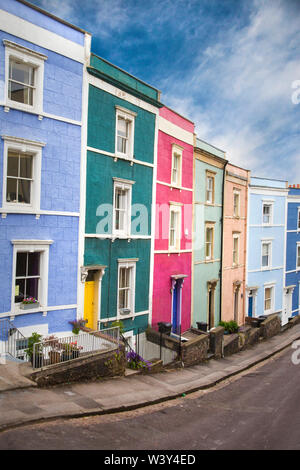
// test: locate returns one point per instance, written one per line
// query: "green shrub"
(230, 326)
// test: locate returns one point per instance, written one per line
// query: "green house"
(119, 234)
(209, 163)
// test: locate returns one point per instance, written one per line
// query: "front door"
(89, 311)
(287, 310)
(250, 306)
(176, 309)
(211, 309)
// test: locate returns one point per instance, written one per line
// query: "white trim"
(177, 154)
(32, 246)
(128, 264)
(123, 317)
(176, 209)
(36, 61)
(39, 212)
(83, 163)
(172, 251)
(181, 188)
(269, 204)
(111, 89)
(43, 114)
(123, 185)
(114, 237)
(33, 148)
(269, 243)
(271, 286)
(30, 32)
(266, 191)
(119, 157)
(266, 269)
(175, 131)
(38, 310)
(129, 117)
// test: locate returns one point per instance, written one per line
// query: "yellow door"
(89, 310)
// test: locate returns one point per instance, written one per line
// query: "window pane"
(122, 144)
(32, 288)
(122, 127)
(21, 264)
(20, 93)
(19, 290)
(21, 72)
(25, 166)
(11, 190)
(24, 191)
(12, 164)
(33, 264)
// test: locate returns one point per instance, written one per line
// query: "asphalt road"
(259, 410)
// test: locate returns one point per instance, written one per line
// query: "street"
(259, 410)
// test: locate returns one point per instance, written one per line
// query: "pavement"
(26, 404)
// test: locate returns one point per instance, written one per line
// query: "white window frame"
(271, 309)
(298, 219)
(209, 225)
(35, 149)
(266, 242)
(176, 209)
(176, 155)
(41, 246)
(298, 256)
(128, 116)
(124, 185)
(31, 58)
(235, 237)
(236, 213)
(210, 175)
(271, 205)
(128, 264)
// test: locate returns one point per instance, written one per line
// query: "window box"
(29, 306)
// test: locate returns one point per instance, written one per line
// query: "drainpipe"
(221, 267)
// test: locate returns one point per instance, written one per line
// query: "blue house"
(265, 280)
(42, 62)
(292, 274)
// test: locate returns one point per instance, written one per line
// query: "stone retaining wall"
(92, 366)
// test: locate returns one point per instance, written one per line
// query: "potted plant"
(134, 361)
(70, 351)
(28, 303)
(37, 358)
(53, 347)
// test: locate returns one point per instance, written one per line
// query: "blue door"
(176, 309)
(250, 306)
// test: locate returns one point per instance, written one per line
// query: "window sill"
(26, 109)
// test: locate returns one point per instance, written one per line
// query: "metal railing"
(54, 350)
(12, 342)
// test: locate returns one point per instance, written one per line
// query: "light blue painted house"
(265, 281)
(292, 275)
(41, 74)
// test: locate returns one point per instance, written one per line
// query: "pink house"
(234, 243)
(173, 231)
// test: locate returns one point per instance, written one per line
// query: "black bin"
(202, 326)
(165, 328)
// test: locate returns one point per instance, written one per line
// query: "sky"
(230, 66)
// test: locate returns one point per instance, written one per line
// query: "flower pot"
(54, 357)
(29, 306)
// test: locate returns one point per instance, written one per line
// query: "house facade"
(234, 243)
(119, 232)
(42, 68)
(266, 248)
(209, 164)
(173, 234)
(292, 272)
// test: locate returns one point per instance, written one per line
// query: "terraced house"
(234, 243)
(41, 68)
(266, 250)
(119, 233)
(292, 272)
(209, 164)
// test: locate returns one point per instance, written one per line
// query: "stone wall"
(195, 351)
(271, 326)
(92, 366)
